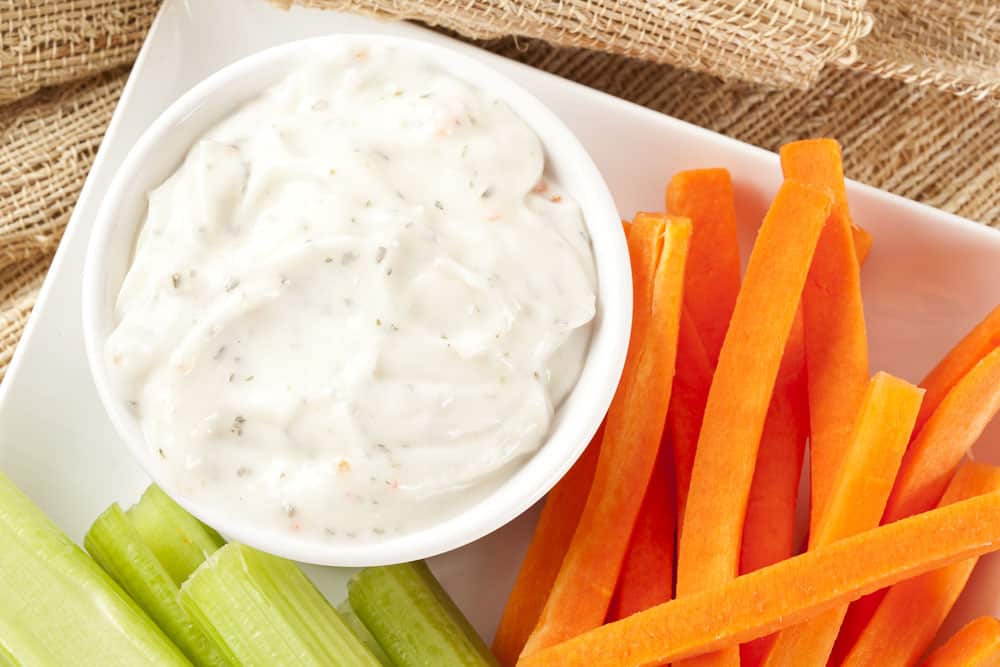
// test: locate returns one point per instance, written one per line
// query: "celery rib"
(58, 607)
(414, 620)
(265, 611)
(117, 547)
(178, 540)
(352, 621)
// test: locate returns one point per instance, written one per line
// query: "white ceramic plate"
(930, 276)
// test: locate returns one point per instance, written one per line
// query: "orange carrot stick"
(768, 532)
(741, 390)
(836, 343)
(712, 279)
(786, 593)
(977, 644)
(945, 438)
(769, 529)
(856, 502)
(983, 339)
(583, 588)
(551, 538)
(912, 612)
(687, 407)
(647, 576)
(930, 462)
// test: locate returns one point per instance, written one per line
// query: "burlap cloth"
(910, 87)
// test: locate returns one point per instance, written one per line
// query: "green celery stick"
(178, 540)
(352, 621)
(58, 607)
(413, 619)
(264, 611)
(117, 547)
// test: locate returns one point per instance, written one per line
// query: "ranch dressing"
(353, 309)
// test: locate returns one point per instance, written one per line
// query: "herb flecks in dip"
(354, 307)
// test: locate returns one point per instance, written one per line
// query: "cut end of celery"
(265, 611)
(178, 540)
(118, 548)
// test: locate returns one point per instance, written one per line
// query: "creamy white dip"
(353, 309)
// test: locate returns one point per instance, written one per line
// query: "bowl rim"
(566, 439)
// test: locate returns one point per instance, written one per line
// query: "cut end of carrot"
(817, 161)
(975, 645)
(862, 243)
(705, 196)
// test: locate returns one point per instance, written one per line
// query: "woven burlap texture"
(45, 42)
(19, 285)
(47, 144)
(951, 44)
(917, 142)
(782, 42)
(924, 144)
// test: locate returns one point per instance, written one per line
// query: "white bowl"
(159, 152)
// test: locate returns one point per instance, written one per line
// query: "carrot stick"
(879, 439)
(582, 591)
(647, 576)
(930, 462)
(741, 390)
(549, 542)
(912, 612)
(880, 435)
(983, 339)
(769, 529)
(692, 375)
(977, 644)
(836, 343)
(768, 532)
(786, 593)
(712, 277)
(687, 407)
(945, 438)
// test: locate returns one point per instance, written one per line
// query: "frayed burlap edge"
(777, 42)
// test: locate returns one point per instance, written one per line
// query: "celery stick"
(413, 619)
(264, 611)
(352, 621)
(178, 540)
(58, 607)
(117, 547)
